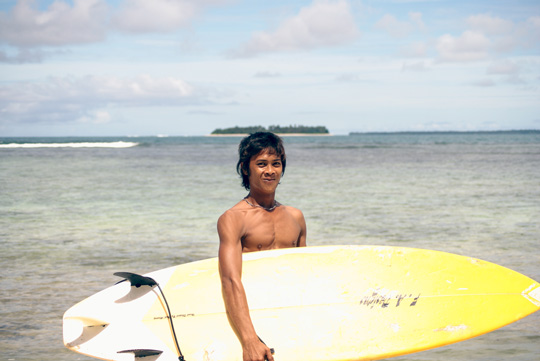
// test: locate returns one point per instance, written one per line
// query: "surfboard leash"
(271, 350)
(180, 356)
(138, 281)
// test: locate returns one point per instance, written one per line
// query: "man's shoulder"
(233, 212)
(293, 211)
(232, 223)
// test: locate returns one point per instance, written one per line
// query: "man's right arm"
(234, 295)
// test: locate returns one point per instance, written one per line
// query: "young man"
(258, 222)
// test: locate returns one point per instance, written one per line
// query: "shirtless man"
(258, 222)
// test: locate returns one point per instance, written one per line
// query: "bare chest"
(270, 230)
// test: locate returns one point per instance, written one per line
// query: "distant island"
(291, 129)
(435, 132)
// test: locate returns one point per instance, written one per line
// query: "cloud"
(60, 24)
(470, 46)
(321, 24)
(347, 78)
(488, 36)
(419, 66)
(485, 83)
(400, 29)
(267, 74)
(502, 33)
(489, 25)
(416, 18)
(65, 23)
(84, 99)
(506, 67)
(96, 117)
(204, 112)
(141, 16)
(414, 50)
(514, 79)
(528, 32)
(23, 56)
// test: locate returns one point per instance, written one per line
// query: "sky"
(187, 67)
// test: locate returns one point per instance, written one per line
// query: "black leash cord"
(138, 281)
(180, 356)
(271, 350)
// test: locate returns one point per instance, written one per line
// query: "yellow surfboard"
(325, 303)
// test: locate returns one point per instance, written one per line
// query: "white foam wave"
(119, 144)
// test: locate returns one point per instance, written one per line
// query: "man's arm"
(234, 295)
(299, 216)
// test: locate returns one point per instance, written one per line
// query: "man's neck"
(263, 200)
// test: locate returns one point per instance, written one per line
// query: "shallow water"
(71, 217)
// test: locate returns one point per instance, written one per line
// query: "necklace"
(270, 209)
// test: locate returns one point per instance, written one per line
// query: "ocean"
(75, 210)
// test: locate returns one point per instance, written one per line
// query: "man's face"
(265, 171)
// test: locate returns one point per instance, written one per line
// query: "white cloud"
(83, 99)
(348, 78)
(155, 15)
(267, 74)
(60, 24)
(529, 32)
(488, 36)
(416, 18)
(501, 32)
(96, 117)
(393, 26)
(489, 25)
(419, 66)
(323, 23)
(470, 46)
(414, 50)
(88, 21)
(23, 55)
(515, 79)
(485, 83)
(142, 88)
(400, 29)
(505, 67)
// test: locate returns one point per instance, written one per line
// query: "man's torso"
(262, 229)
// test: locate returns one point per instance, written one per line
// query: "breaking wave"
(119, 144)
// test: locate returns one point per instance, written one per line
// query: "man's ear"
(244, 171)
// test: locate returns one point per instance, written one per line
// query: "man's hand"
(257, 351)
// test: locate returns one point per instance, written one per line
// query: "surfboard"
(328, 303)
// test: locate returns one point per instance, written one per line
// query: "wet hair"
(252, 145)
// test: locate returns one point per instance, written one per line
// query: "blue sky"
(186, 67)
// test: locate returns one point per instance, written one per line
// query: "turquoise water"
(72, 216)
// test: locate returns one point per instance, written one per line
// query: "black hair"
(252, 145)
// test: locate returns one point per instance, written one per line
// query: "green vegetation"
(291, 129)
(239, 130)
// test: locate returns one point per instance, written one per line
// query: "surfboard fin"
(137, 282)
(78, 330)
(148, 355)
